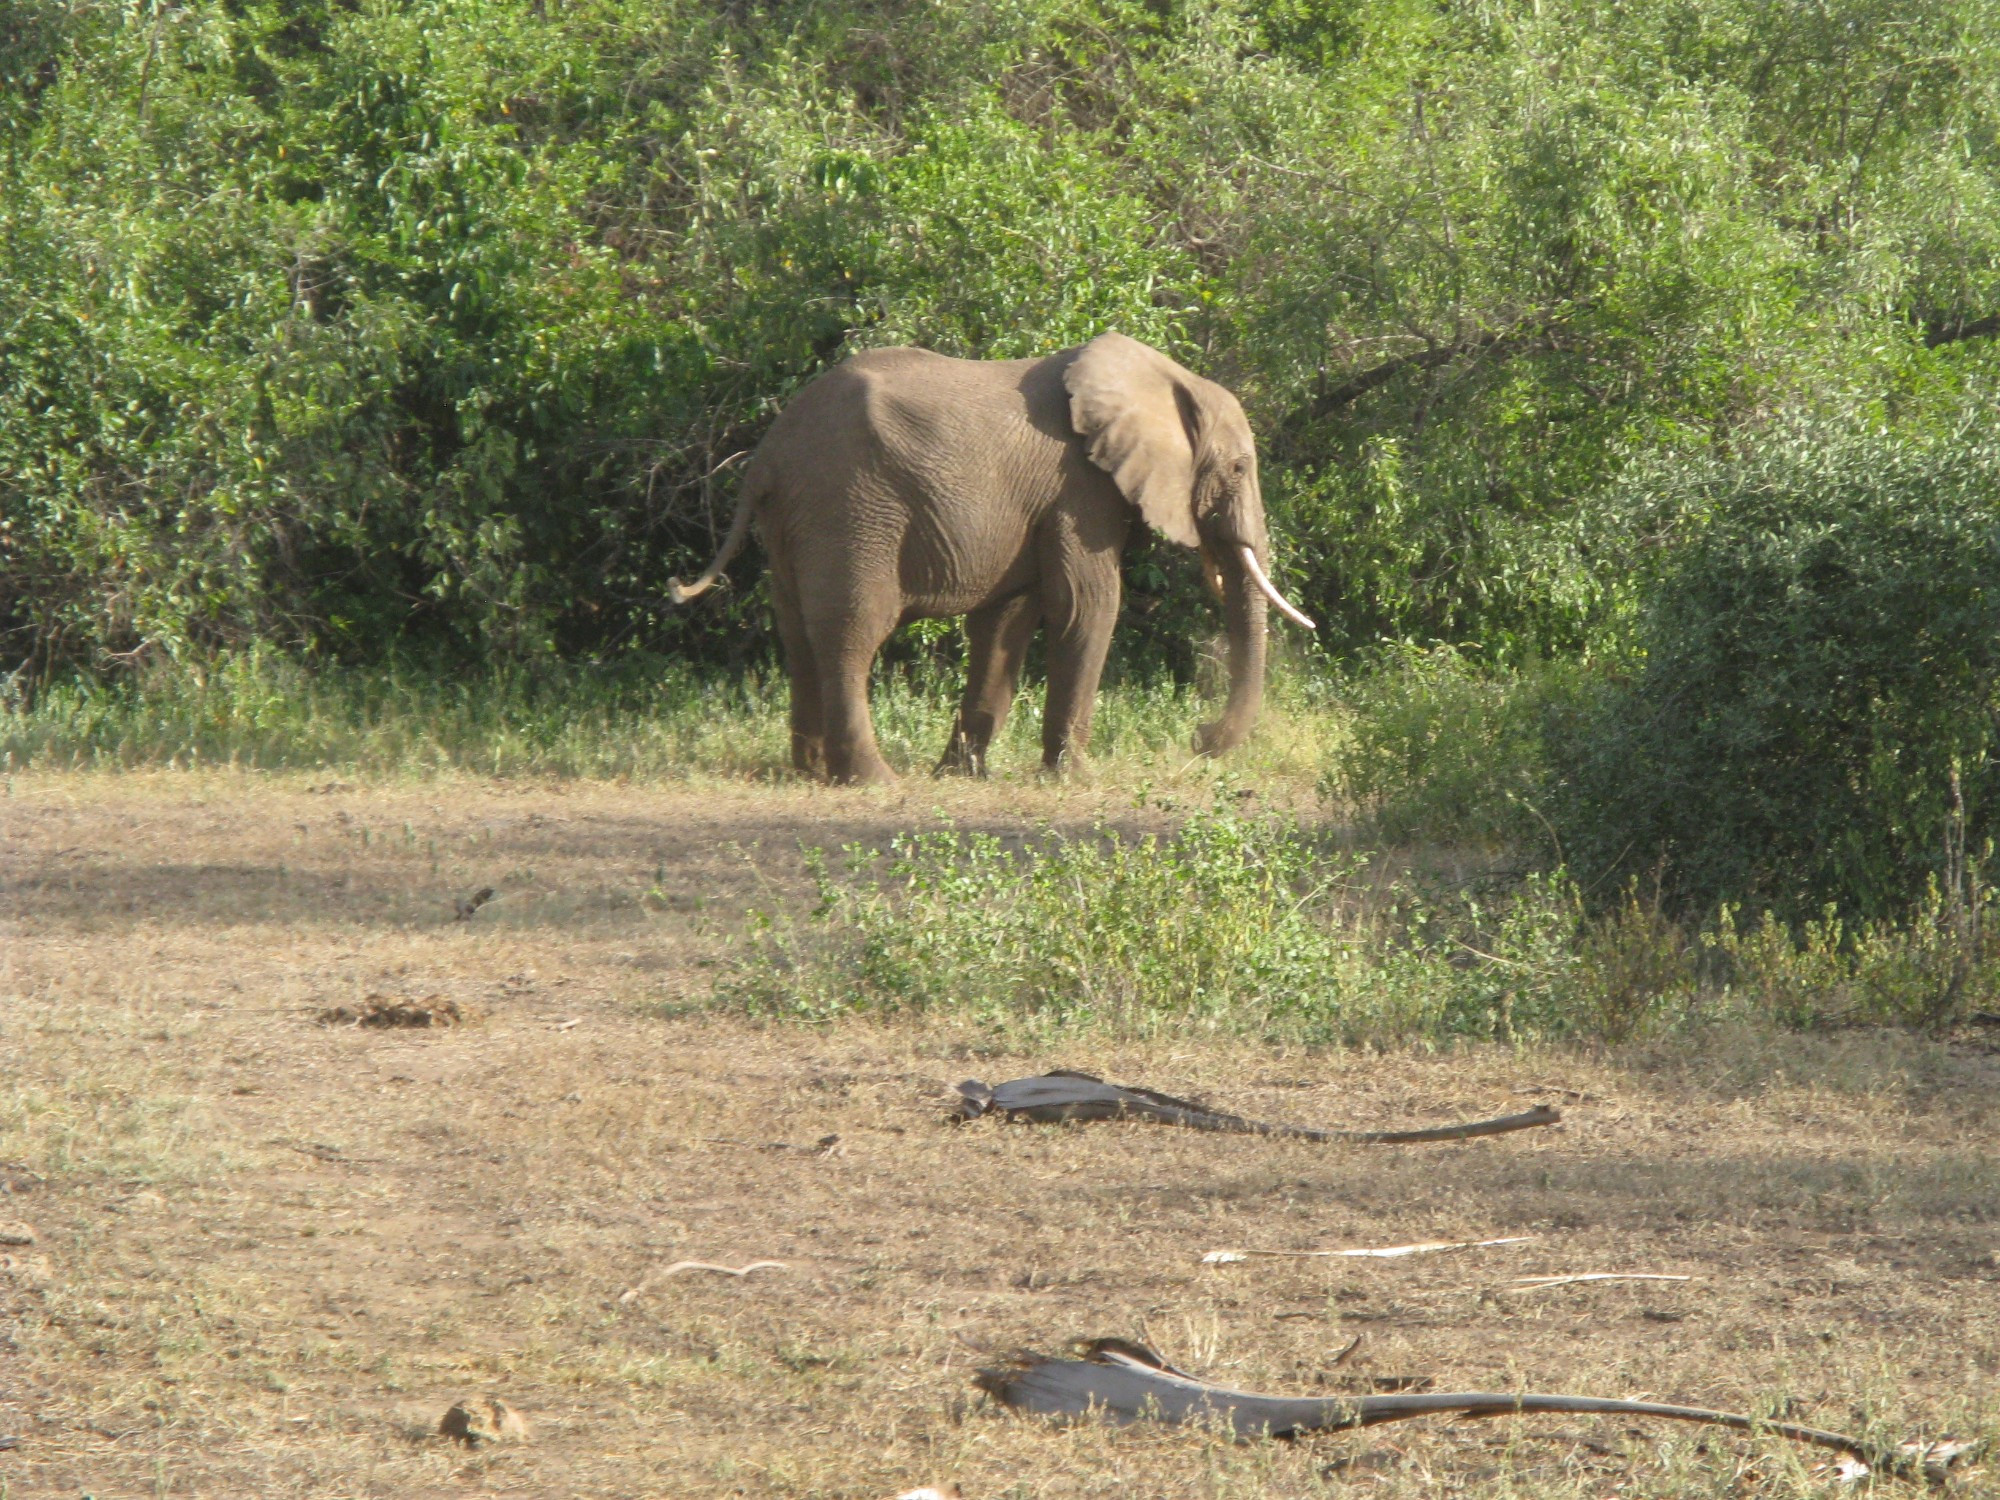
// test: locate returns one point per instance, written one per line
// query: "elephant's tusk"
(1285, 607)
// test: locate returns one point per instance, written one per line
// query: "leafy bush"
(1811, 719)
(1253, 925)
(1099, 928)
(1440, 748)
(1926, 969)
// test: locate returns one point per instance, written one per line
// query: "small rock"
(15, 1178)
(16, 1233)
(30, 1271)
(484, 1419)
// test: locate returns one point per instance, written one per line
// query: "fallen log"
(1064, 1097)
(1123, 1382)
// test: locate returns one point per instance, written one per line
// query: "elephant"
(905, 485)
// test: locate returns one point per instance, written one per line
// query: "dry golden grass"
(272, 1253)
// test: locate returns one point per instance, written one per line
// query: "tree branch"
(1940, 330)
(1514, 341)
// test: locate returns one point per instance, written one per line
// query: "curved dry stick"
(1541, 1114)
(1125, 1382)
(708, 1265)
(1064, 1097)
(679, 1266)
(1548, 1283)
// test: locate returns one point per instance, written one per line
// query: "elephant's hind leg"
(808, 715)
(844, 663)
(996, 644)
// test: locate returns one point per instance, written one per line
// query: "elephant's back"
(926, 474)
(903, 405)
(945, 463)
(925, 396)
(906, 367)
(904, 360)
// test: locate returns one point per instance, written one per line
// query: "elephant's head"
(1180, 449)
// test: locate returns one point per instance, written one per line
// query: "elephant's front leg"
(996, 644)
(1080, 610)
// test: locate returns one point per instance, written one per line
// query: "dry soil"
(270, 1253)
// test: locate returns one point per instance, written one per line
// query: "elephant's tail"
(680, 592)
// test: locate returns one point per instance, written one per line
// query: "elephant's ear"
(1129, 403)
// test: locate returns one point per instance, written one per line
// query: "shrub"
(1811, 717)
(1232, 922)
(1441, 749)
(1092, 928)
(1251, 925)
(365, 331)
(1925, 970)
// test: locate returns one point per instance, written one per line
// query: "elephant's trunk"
(1243, 603)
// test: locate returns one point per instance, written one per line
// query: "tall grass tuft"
(654, 719)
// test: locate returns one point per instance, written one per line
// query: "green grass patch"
(654, 720)
(1261, 924)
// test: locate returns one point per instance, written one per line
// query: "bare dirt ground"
(269, 1253)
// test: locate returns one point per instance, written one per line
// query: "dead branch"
(708, 1265)
(1952, 328)
(1064, 1097)
(1355, 387)
(1123, 1382)
(679, 1266)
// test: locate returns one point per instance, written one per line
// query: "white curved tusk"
(1284, 605)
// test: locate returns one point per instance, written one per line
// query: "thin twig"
(1543, 1283)
(1391, 1252)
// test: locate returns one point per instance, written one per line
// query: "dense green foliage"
(1801, 714)
(1811, 715)
(1442, 747)
(424, 327)
(1230, 923)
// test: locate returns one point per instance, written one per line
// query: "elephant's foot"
(865, 771)
(1217, 738)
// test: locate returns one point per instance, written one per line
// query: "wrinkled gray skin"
(903, 485)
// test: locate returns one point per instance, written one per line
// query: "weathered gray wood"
(1123, 1382)
(1062, 1097)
